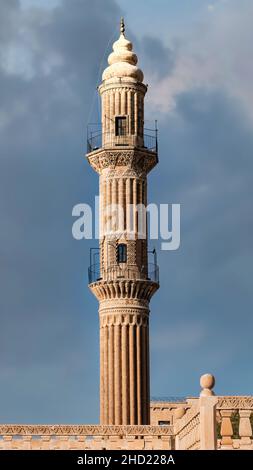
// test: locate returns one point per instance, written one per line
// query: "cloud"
(36, 3)
(158, 59)
(215, 55)
(205, 164)
(48, 75)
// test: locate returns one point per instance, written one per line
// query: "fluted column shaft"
(124, 379)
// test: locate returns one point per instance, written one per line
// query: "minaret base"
(124, 363)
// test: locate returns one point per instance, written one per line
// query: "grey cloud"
(212, 54)
(206, 165)
(157, 59)
(48, 316)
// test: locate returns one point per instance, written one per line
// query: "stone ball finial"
(207, 382)
(179, 412)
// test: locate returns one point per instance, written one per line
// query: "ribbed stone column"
(136, 114)
(128, 202)
(117, 374)
(112, 113)
(108, 204)
(125, 374)
(117, 103)
(111, 374)
(144, 376)
(107, 118)
(132, 374)
(123, 102)
(104, 378)
(102, 372)
(121, 203)
(147, 376)
(138, 373)
(135, 202)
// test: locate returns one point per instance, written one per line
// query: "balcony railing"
(97, 140)
(114, 272)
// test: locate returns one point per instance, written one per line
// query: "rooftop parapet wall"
(86, 437)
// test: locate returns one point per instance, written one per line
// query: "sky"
(196, 58)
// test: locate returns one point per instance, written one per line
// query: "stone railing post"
(178, 414)
(245, 430)
(226, 428)
(207, 408)
(8, 443)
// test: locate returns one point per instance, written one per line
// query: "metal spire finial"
(122, 26)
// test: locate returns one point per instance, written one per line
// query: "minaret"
(123, 281)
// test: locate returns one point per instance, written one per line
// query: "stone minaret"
(123, 281)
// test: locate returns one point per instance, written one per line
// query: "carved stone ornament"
(235, 403)
(84, 430)
(140, 162)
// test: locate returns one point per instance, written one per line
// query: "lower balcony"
(117, 271)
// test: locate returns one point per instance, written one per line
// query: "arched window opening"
(120, 125)
(122, 253)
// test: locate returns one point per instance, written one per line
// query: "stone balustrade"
(234, 415)
(187, 428)
(196, 427)
(90, 437)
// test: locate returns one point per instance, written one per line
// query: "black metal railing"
(97, 140)
(168, 399)
(116, 271)
(94, 141)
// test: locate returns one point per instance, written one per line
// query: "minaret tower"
(124, 281)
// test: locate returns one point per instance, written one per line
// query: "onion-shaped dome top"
(122, 61)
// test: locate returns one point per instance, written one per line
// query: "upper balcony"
(96, 140)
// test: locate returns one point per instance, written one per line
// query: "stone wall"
(163, 412)
(60, 437)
